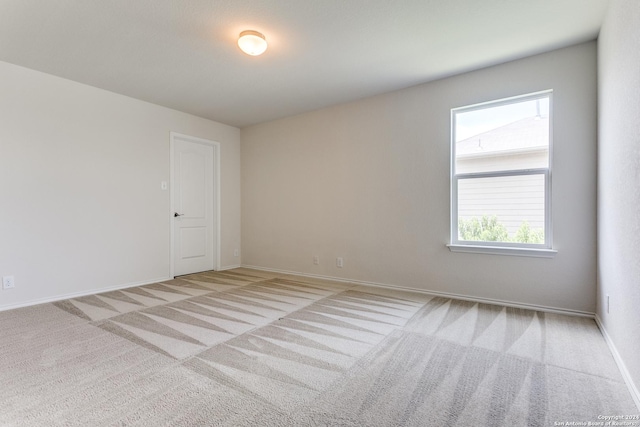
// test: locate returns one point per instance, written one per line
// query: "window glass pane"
(502, 209)
(507, 137)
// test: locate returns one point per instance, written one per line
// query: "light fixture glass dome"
(252, 43)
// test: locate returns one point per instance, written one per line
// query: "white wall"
(369, 181)
(81, 207)
(619, 181)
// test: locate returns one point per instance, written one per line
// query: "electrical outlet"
(339, 262)
(316, 260)
(8, 282)
(236, 252)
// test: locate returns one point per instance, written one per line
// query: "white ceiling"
(183, 54)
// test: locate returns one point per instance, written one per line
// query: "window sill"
(503, 250)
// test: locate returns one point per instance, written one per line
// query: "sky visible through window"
(482, 120)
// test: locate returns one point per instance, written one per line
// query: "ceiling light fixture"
(252, 43)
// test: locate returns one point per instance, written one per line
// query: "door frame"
(216, 195)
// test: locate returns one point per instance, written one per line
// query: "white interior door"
(194, 235)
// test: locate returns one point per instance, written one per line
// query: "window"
(501, 176)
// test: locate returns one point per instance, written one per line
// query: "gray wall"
(81, 209)
(619, 181)
(369, 181)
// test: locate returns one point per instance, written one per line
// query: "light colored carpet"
(249, 348)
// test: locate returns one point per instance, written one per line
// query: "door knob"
(176, 214)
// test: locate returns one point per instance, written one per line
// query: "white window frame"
(503, 248)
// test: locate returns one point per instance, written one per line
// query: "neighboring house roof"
(525, 135)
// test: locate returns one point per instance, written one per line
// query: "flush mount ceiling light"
(252, 43)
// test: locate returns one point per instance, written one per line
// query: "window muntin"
(501, 173)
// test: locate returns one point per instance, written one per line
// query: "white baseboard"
(81, 294)
(93, 291)
(434, 293)
(635, 393)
